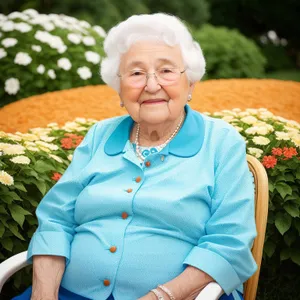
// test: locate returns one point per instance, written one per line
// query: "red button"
(124, 215)
(148, 164)
(106, 282)
(113, 249)
(129, 191)
(138, 179)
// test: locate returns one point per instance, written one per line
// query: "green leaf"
(269, 248)
(3, 210)
(2, 230)
(271, 186)
(283, 189)
(20, 186)
(7, 244)
(41, 186)
(295, 256)
(292, 209)
(285, 254)
(290, 237)
(42, 167)
(296, 223)
(18, 213)
(283, 222)
(14, 229)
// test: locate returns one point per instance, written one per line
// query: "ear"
(191, 88)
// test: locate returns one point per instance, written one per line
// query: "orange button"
(129, 191)
(113, 249)
(106, 282)
(138, 179)
(124, 215)
(148, 164)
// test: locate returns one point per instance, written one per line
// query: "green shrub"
(42, 53)
(229, 54)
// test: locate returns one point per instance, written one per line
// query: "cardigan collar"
(186, 143)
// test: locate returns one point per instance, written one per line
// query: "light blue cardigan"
(194, 205)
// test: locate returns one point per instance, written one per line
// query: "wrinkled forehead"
(149, 54)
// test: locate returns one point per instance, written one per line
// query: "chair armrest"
(211, 292)
(11, 266)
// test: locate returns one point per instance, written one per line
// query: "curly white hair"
(159, 26)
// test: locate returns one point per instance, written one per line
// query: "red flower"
(67, 143)
(72, 141)
(56, 176)
(277, 151)
(289, 152)
(269, 161)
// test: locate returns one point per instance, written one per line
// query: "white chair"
(212, 291)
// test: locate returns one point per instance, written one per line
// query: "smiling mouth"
(156, 101)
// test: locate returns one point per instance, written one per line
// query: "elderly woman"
(155, 204)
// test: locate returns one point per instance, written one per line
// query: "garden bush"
(41, 53)
(229, 54)
(31, 163)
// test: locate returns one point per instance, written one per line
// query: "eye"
(166, 70)
(136, 73)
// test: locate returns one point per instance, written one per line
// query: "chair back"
(261, 214)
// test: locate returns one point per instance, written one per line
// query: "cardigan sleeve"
(55, 212)
(224, 252)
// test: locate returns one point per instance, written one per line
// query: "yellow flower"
(10, 149)
(282, 135)
(261, 140)
(296, 140)
(23, 160)
(255, 151)
(55, 157)
(5, 178)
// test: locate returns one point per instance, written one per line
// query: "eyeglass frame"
(154, 73)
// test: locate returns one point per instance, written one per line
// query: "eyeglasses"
(139, 78)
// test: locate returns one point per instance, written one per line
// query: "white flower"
(257, 130)
(252, 110)
(100, 31)
(11, 149)
(8, 26)
(92, 57)
(47, 138)
(64, 63)
(48, 26)
(261, 140)
(236, 110)
(18, 15)
(33, 149)
(74, 38)
(84, 24)
(40, 69)
(5, 178)
(238, 128)
(23, 160)
(70, 157)
(217, 114)
(23, 59)
(84, 73)
(262, 109)
(249, 120)
(51, 74)
(47, 145)
(3, 53)
(296, 140)
(12, 86)
(256, 152)
(280, 135)
(228, 118)
(9, 42)
(244, 113)
(36, 48)
(89, 41)
(23, 27)
(57, 158)
(81, 120)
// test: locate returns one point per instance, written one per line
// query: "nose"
(152, 84)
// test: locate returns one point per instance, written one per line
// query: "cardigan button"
(148, 164)
(113, 249)
(129, 190)
(124, 215)
(138, 179)
(106, 282)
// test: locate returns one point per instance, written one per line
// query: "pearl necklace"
(160, 147)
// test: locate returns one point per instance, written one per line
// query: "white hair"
(159, 26)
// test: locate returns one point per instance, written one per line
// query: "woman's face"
(150, 56)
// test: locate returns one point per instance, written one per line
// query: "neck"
(156, 134)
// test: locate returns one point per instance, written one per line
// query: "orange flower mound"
(280, 97)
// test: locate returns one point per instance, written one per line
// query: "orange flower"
(56, 176)
(66, 143)
(277, 151)
(289, 152)
(269, 161)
